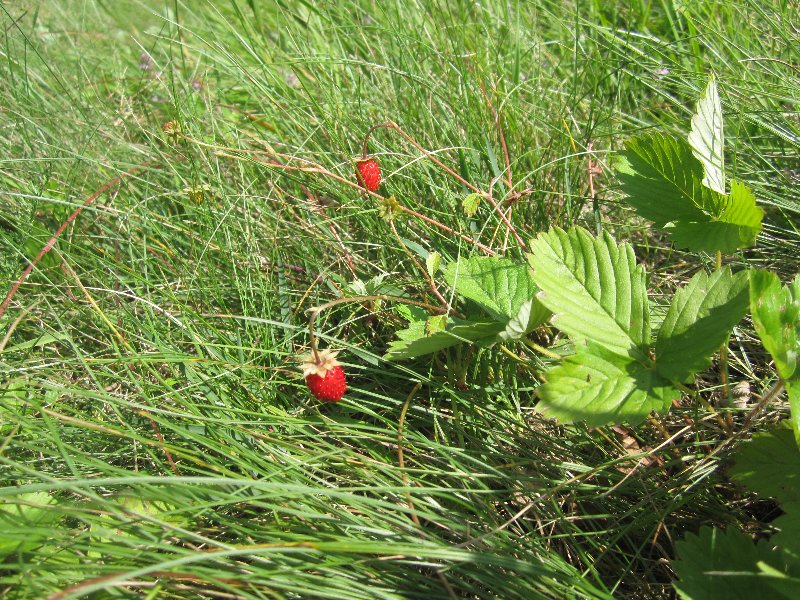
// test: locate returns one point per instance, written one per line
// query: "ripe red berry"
(324, 376)
(329, 388)
(368, 174)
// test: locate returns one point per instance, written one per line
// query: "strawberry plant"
(623, 364)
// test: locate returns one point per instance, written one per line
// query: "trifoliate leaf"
(470, 204)
(698, 322)
(422, 337)
(663, 182)
(707, 138)
(595, 289)
(599, 387)
(727, 564)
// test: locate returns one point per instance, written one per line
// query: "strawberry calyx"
(321, 364)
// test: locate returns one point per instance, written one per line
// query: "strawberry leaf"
(595, 289)
(503, 288)
(599, 387)
(707, 138)
(426, 337)
(664, 183)
(770, 465)
(698, 322)
(776, 317)
(727, 564)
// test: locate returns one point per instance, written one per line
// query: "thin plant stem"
(770, 395)
(448, 170)
(52, 241)
(316, 168)
(541, 349)
(423, 270)
(315, 311)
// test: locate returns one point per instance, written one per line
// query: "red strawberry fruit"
(369, 174)
(324, 376)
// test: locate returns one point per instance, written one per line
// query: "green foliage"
(707, 138)
(663, 182)
(499, 287)
(680, 185)
(598, 297)
(594, 288)
(428, 336)
(26, 522)
(776, 318)
(600, 387)
(717, 564)
(770, 466)
(699, 320)
(152, 353)
(470, 204)
(727, 564)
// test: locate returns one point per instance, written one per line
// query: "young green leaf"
(776, 317)
(663, 182)
(698, 322)
(728, 564)
(736, 226)
(470, 204)
(418, 339)
(599, 387)
(595, 289)
(432, 263)
(707, 138)
(503, 288)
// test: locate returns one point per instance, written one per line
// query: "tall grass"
(156, 437)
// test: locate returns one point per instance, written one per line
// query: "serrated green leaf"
(594, 288)
(769, 465)
(418, 340)
(602, 388)
(720, 563)
(663, 182)
(707, 138)
(776, 317)
(503, 288)
(410, 312)
(470, 204)
(699, 320)
(433, 262)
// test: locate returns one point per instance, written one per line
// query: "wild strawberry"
(368, 174)
(324, 376)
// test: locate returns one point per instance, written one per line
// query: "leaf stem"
(314, 312)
